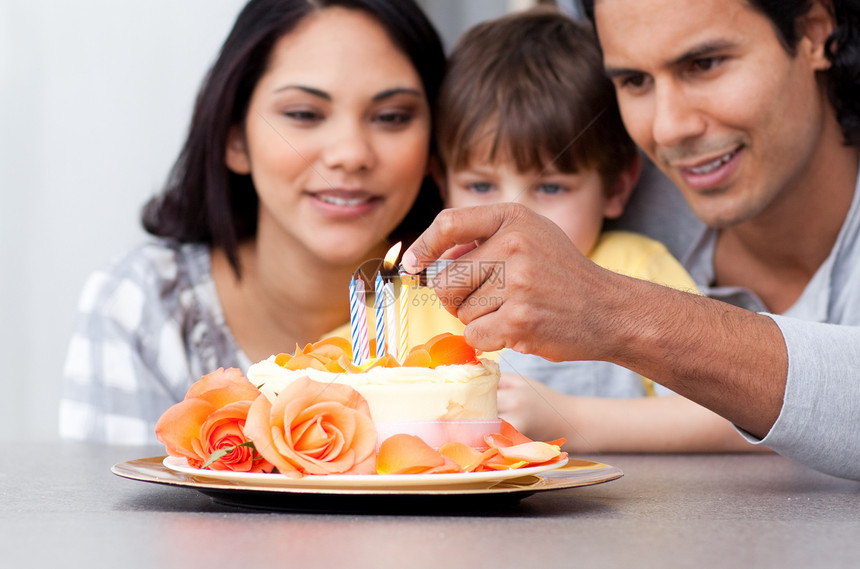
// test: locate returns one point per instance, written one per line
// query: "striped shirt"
(149, 325)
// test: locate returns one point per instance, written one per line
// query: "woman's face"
(336, 137)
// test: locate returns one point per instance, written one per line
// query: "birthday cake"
(329, 408)
(442, 393)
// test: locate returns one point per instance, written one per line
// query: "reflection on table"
(62, 506)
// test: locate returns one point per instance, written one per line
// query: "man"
(747, 107)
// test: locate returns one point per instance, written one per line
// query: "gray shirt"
(819, 424)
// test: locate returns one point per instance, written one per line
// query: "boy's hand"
(530, 406)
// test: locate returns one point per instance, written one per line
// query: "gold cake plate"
(475, 491)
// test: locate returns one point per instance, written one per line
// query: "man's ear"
(236, 153)
(437, 172)
(622, 189)
(816, 26)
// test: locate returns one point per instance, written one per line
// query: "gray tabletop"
(62, 506)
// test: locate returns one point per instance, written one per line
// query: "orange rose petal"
(180, 425)
(225, 428)
(366, 466)
(288, 440)
(406, 454)
(512, 434)
(261, 432)
(417, 357)
(428, 345)
(347, 365)
(305, 361)
(389, 361)
(338, 342)
(448, 349)
(324, 419)
(334, 366)
(385, 361)
(282, 359)
(497, 440)
(448, 467)
(283, 447)
(331, 351)
(499, 462)
(536, 452)
(313, 440)
(223, 386)
(466, 457)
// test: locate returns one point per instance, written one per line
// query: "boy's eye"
(480, 187)
(550, 189)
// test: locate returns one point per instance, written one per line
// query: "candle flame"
(392, 255)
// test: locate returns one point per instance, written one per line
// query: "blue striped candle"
(379, 300)
(353, 321)
(358, 322)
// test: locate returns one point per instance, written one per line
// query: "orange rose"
(314, 428)
(211, 420)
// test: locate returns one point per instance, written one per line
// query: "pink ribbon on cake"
(437, 433)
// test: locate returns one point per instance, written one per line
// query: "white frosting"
(454, 392)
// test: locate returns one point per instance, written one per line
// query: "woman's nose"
(350, 148)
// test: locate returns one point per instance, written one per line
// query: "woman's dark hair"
(843, 50)
(203, 200)
(535, 78)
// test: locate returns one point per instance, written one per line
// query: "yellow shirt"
(641, 257)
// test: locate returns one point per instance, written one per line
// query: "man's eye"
(705, 63)
(480, 187)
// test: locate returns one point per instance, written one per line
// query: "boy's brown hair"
(537, 76)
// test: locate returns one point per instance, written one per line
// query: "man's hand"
(519, 282)
(531, 290)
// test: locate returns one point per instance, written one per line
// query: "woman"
(307, 149)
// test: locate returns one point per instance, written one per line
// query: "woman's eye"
(394, 118)
(304, 116)
(550, 189)
(633, 81)
(480, 187)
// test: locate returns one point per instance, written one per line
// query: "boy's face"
(707, 90)
(575, 202)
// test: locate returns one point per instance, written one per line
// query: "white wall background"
(95, 97)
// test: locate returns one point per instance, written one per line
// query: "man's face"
(707, 90)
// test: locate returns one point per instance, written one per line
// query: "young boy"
(526, 114)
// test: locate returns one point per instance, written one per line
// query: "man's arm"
(532, 291)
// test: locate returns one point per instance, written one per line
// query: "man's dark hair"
(843, 51)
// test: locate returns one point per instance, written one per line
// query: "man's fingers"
(453, 227)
